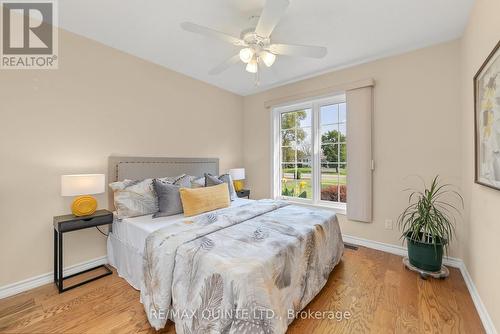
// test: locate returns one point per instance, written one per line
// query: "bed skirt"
(126, 259)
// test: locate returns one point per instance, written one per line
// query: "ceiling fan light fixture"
(246, 55)
(255, 43)
(252, 66)
(268, 58)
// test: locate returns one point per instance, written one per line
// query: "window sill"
(340, 209)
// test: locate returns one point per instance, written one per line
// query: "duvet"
(246, 269)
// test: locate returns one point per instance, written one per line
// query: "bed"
(127, 240)
(248, 268)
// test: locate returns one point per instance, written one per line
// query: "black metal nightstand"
(69, 223)
(243, 193)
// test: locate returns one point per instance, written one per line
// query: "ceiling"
(354, 31)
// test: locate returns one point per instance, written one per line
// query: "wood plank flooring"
(380, 295)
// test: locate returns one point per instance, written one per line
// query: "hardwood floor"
(374, 287)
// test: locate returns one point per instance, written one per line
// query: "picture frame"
(487, 121)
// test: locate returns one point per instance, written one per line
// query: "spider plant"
(430, 216)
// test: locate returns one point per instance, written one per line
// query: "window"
(333, 139)
(296, 153)
(310, 152)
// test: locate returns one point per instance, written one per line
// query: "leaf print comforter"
(244, 269)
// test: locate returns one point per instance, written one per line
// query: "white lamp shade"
(82, 184)
(237, 173)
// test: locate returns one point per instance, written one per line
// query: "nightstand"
(243, 193)
(69, 223)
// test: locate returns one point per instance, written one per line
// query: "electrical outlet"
(388, 224)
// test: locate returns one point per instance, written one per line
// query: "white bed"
(126, 242)
(252, 256)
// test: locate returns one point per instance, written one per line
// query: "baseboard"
(36, 281)
(488, 325)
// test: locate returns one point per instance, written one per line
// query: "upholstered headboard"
(138, 168)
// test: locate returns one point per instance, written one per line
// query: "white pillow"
(172, 179)
(134, 198)
(197, 182)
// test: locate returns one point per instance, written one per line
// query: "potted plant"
(428, 224)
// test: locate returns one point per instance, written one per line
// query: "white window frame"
(315, 106)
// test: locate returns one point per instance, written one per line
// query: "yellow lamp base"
(238, 185)
(84, 206)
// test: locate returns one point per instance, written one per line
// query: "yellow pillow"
(199, 200)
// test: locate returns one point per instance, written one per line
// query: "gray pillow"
(169, 199)
(211, 180)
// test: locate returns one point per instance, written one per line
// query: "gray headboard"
(138, 168)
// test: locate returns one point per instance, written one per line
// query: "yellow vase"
(238, 185)
(84, 206)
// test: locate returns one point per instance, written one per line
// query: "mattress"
(134, 231)
(126, 242)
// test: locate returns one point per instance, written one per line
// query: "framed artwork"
(487, 121)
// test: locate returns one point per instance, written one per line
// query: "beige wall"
(416, 129)
(100, 101)
(483, 230)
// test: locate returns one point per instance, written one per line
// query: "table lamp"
(238, 175)
(82, 186)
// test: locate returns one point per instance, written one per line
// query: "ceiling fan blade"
(298, 50)
(192, 27)
(225, 65)
(270, 16)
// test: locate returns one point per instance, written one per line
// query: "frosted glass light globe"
(268, 58)
(246, 55)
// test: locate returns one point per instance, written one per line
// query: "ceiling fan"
(255, 43)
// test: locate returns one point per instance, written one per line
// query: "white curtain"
(359, 154)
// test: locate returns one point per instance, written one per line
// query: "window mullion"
(316, 163)
(278, 159)
(295, 155)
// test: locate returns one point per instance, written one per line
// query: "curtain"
(359, 154)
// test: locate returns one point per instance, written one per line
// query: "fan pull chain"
(257, 74)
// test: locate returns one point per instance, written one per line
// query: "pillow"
(134, 198)
(197, 182)
(211, 180)
(200, 200)
(184, 181)
(172, 179)
(169, 200)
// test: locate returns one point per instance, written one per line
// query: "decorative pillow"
(184, 181)
(211, 180)
(171, 179)
(197, 182)
(200, 200)
(134, 198)
(169, 199)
